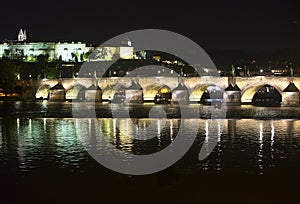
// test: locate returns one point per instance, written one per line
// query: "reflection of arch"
(249, 92)
(77, 92)
(163, 95)
(114, 92)
(205, 91)
(43, 92)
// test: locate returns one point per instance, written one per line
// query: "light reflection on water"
(245, 145)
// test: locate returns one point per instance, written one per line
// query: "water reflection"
(136, 136)
(260, 154)
(252, 146)
(1, 134)
(272, 149)
(213, 131)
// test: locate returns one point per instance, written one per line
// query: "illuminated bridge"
(260, 89)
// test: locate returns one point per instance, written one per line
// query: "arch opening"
(151, 91)
(109, 92)
(206, 94)
(267, 95)
(163, 95)
(43, 92)
(76, 93)
(212, 94)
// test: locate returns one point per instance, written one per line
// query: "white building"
(64, 51)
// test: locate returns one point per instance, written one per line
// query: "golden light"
(165, 90)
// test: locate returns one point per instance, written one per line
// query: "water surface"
(44, 159)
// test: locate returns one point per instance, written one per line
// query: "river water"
(43, 156)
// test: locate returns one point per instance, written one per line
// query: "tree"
(8, 73)
(6, 53)
(25, 69)
(50, 73)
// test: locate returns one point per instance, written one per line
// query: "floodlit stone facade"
(62, 51)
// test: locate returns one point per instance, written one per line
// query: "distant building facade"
(63, 51)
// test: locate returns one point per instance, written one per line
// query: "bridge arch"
(43, 92)
(112, 92)
(152, 90)
(249, 92)
(199, 90)
(163, 95)
(76, 92)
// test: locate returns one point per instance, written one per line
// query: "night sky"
(251, 26)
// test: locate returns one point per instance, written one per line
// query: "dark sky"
(253, 26)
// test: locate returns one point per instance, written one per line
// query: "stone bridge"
(196, 86)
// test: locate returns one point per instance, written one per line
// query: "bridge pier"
(180, 94)
(57, 93)
(232, 95)
(291, 96)
(134, 93)
(93, 93)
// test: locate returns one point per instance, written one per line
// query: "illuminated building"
(22, 36)
(62, 51)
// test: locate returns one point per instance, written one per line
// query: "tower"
(22, 35)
